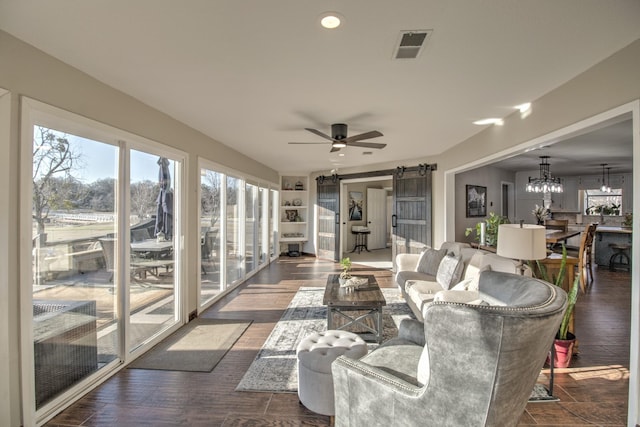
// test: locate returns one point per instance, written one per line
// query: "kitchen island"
(606, 235)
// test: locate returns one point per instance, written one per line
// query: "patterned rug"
(275, 367)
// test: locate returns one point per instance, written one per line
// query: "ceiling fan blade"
(366, 144)
(366, 135)
(317, 132)
(308, 143)
(334, 149)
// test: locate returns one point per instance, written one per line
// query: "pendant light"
(545, 183)
(604, 188)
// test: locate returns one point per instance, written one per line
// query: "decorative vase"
(343, 280)
(564, 351)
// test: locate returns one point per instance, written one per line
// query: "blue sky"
(99, 161)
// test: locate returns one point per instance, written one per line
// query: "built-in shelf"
(294, 211)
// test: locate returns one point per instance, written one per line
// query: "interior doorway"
(372, 194)
(507, 202)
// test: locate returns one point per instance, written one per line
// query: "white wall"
(26, 71)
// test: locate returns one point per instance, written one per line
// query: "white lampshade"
(522, 241)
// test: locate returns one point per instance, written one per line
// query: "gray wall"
(489, 177)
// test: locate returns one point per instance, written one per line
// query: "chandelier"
(545, 183)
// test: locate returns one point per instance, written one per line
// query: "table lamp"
(522, 242)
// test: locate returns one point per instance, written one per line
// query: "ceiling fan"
(339, 138)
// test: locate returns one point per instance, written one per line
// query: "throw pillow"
(430, 260)
(449, 271)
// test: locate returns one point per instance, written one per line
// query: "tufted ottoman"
(315, 354)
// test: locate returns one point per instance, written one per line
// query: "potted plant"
(540, 212)
(615, 209)
(628, 220)
(492, 222)
(565, 340)
(346, 270)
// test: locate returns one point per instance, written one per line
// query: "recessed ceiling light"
(341, 154)
(490, 121)
(525, 109)
(331, 20)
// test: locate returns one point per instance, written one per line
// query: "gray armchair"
(469, 364)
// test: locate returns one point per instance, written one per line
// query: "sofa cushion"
(454, 247)
(421, 292)
(449, 271)
(430, 260)
(402, 277)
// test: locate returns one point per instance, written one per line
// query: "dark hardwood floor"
(592, 392)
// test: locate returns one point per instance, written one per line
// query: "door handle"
(337, 218)
(394, 220)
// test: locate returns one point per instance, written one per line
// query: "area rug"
(196, 347)
(275, 367)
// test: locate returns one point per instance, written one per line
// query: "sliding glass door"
(75, 289)
(151, 279)
(105, 219)
(237, 229)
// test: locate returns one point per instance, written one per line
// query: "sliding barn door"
(411, 219)
(328, 218)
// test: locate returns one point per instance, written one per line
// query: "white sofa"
(420, 283)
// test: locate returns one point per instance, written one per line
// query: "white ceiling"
(254, 74)
(583, 154)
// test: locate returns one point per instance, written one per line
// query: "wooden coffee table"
(361, 308)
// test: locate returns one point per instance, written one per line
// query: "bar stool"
(361, 234)
(620, 259)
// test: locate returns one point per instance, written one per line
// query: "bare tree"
(143, 198)
(210, 203)
(53, 160)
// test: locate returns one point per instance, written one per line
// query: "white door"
(377, 218)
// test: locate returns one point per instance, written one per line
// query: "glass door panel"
(263, 229)
(210, 234)
(234, 253)
(274, 217)
(250, 227)
(75, 327)
(151, 280)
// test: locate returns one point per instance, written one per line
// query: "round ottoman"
(315, 354)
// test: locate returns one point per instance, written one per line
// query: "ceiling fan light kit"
(339, 138)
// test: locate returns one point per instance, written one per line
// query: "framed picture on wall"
(476, 201)
(355, 206)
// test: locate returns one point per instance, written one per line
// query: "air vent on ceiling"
(410, 44)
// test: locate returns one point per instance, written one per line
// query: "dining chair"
(557, 224)
(584, 255)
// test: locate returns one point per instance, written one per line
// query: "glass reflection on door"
(74, 222)
(210, 234)
(234, 253)
(151, 278)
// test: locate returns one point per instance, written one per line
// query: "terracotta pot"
(564, 351)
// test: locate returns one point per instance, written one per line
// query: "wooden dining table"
(557, 236)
